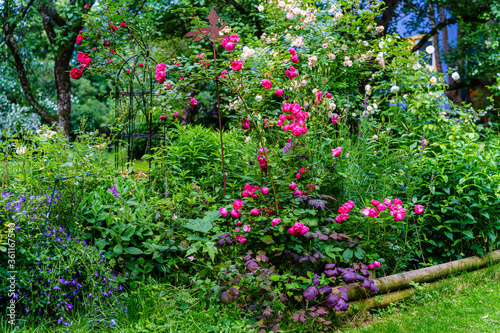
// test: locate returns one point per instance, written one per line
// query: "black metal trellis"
(137, 99)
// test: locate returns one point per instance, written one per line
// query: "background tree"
(61, 23)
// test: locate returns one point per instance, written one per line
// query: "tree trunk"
(435, 39)
(388, 13)
(63, 90)
(22, 75)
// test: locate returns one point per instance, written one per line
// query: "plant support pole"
(220, 121)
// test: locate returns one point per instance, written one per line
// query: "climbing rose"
(419, 209)
(234, 38)
(237, 65)
(247, 228)
(264, 190)
(235, 214)
(292, 186)
(279, 92)
(193, 101)
(386, 202)
(241, 239)
(335, 119)
(298, 228)
(229, 46)
(381, 207)
(84, 58)
(237, 204)
(275, 221)
(298, 175)
(397, 201)
(295, 59)
(254, 212)
(79, 39)
(246, 124)
(266, 84)
(223, 211)
(176, 114)
(336, 152)
(366, 211)
(375, 202)
(76, 73)
(292, 51)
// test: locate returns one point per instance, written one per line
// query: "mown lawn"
(466, 303)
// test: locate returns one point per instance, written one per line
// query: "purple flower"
(113, 191)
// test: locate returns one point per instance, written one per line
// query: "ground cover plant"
(340, 165)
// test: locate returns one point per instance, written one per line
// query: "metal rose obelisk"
(214, 32)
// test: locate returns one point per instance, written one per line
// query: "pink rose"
(236, 65)
(386, 202)
(123, 24)
(365, 211)
(297, 193)
(335, 119)
(193, 101)
(295, 59)
(377, 264)
(79, 39)
(163, 117)
(235, 214)
(241, 239)
(246, 124)
(336, 152)
(371, 266)
(237, 204)
(292, 51)
(86, 6)
(397, 201)
(234, 38)
(292, 186)
(266, 84)
(419, 209)
(176, 114)
(229, 47)
(264, 190)
(279, 92)
(168, 86)
(238, 223)
(298, 175)
(247, 228)
(381, 207)
(254, 212)
(224, 42)
(223, 211)
(275, 221)
(375, 202)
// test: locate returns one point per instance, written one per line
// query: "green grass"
(466, 303)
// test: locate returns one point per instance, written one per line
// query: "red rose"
(84, 58)
(76, 73)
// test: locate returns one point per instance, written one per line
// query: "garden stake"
(214, 33)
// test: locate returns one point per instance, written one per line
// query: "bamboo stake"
(401, 281)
